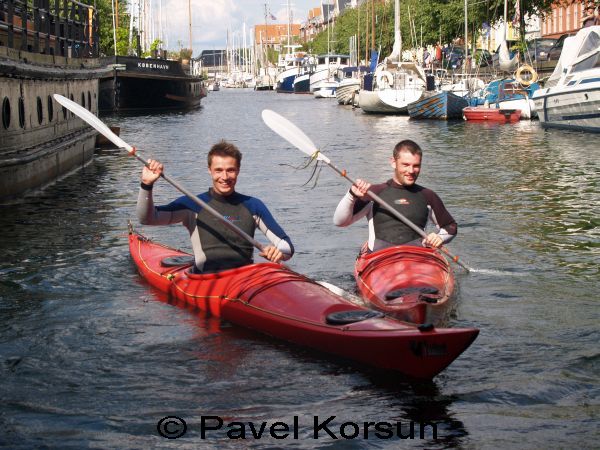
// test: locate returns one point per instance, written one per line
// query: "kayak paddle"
(96, 123)
(296, 137)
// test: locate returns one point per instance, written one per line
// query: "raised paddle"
(296, 137)
(92, 120)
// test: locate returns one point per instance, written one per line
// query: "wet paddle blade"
(342, 293)
(92, 120)
(291, 133)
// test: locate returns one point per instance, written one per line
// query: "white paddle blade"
(342, 293)
(291, 133)
(92, 120)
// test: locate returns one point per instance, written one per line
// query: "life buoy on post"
(385, 79)
(524, 69)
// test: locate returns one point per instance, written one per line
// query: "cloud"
(212, 19)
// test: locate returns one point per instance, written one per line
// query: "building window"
(21, 112)
(40, 111)
(50, 109)
(6, 113)
(561, 25)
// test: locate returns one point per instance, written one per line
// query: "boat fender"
(174, 261)
(385, 79)
(425, 327)
(351, 316)
(526, 68)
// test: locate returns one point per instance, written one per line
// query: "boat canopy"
(580, 52)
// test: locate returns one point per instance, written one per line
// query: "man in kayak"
(417, 203)
(215, 246)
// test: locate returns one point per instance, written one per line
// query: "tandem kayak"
(274, 300)
(411, 283)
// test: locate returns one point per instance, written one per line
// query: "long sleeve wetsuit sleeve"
(349, 210)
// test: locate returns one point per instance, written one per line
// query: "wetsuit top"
(417, 203)
(215, 246)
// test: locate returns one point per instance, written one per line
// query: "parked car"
(537, 49)
(453, 57)
(556, 49)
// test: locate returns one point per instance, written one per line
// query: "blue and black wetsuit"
(215, 246)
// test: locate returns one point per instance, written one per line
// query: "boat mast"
(397, 48)
(160, 23)
(190, 22)
(466, 42)
(114, 23)
(262, 44)
(373, 24)
(289, 27)
(358, 37)
(505, 22)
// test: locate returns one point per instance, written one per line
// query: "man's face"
(224, 171)
(406, 168)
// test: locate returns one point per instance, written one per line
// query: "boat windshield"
(585, 42)
(588, 63)
(590, 44)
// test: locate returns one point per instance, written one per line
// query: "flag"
(517, 15)
(273, 17)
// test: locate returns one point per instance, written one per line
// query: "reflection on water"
(90, 355)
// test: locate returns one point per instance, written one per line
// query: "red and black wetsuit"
(417, 203)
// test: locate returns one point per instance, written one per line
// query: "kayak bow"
(411, 283)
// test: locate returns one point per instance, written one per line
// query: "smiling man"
(216, 247)
(416, 203)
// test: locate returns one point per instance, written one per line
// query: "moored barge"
(46, 47)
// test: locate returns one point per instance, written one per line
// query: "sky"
(212, 18)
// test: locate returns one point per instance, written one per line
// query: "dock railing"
(66, 28)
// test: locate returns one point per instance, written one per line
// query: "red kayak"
(499, 115)
(411, 283)
(274, 300)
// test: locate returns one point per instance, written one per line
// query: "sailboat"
(323, 82)
(447, 102)
(505, 62)
(396, 83)
(505, 97)
(350, 77)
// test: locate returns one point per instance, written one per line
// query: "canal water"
(90, 356)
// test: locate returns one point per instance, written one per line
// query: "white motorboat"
(395, 86)
(326, 89)
(349, 85)
(571, 96)
(327, 66)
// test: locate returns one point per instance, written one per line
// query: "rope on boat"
(257, 280)
(307, 163)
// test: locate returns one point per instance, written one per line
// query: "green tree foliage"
(104, 11)
(422, 22)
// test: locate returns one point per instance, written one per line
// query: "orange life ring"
(526, 68)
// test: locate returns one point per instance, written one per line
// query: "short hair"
(408, 146)
(224, 148)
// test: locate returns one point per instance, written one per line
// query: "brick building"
(276, 35)
(566, 17)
